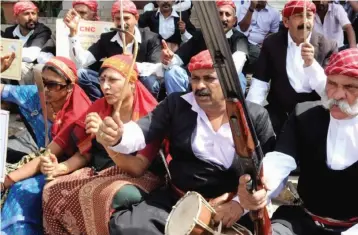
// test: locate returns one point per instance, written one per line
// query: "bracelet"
(251, 9)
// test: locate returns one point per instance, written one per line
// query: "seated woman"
(82, 202)
(66, 101)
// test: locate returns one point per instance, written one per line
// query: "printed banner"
(4, 128)
(8, 46)
(88, 33)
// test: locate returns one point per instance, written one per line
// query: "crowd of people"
(132, 129)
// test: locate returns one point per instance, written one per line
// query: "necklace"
(54, 114)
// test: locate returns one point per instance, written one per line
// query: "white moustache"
(351, 110)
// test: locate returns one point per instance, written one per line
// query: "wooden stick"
(304, 21)
(123, 32)
(180, 11)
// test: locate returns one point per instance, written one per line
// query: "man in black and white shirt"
(33, 35)
(167, 23)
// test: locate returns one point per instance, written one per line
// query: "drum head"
(181, 220)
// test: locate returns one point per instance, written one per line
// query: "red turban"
(294, 7)
(343, 63)
(122, 63)
(201, 61)
(24, 6)
(230, 3)
(128, 6)
(66, 66)
(92, 4)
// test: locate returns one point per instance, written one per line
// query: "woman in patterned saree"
(82, 202)
(21, 213)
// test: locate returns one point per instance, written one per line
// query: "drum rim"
(195, 219)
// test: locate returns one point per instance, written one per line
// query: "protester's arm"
(182, 6)
(350, 35)
(245, 16)
(316, 77)
(30, 54)
(82, 57)
(346, 25)
(260, 83)
(6, 61)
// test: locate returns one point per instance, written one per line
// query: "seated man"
(257, 20)
(331, 20)
(176, 77)
(201, 147)
(33, 35)
(183, 6)
(293, 66)
(87, 10)
(110, 44)
(322, 139)
(167, 23)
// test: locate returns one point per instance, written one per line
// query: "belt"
(332, 222)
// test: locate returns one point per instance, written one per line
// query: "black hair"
(57, 71)
(101, 70)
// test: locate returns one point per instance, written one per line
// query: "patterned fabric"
(22, 212)
(344, 63)
(201, 61)
(66, 66)
(22, 6)
(27, 99)
(294, 7)
(128, 6)
(80, 203)
(122, 64)
(220, 3)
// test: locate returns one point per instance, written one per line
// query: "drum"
(236, 229)
(191, 215)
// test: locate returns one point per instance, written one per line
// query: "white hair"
(351, 110)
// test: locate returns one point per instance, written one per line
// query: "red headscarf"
(143, 102)
(201, 61)
(91, 4)
(128, 6)
(343, 63)
(294, 7)
(75, 106)
(22, 6)
(230, 3)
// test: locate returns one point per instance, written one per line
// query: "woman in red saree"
(82, 202)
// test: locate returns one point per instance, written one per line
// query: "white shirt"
(84, 58)
(342, 149)
(302, 79)
(208, 145)
(262, 22)
(167, 26)
(29, 54)
(334, 21)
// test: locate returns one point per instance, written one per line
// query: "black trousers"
(277, 117)
(293, 220)
(149, 216)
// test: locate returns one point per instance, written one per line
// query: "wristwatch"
(251, 9)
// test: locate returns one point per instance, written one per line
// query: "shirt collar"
(137, 37)
(17, 32)
(174, 13)
(189, 97)
(229, 33)
(291, 42)
(345, 122)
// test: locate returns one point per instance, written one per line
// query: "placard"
(88, 33)
(7, 47)
(4, 128)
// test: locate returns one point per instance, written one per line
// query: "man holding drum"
(201, 147)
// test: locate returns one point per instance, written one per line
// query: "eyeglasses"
(54, 86)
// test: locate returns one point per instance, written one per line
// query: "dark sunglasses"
(54, 86)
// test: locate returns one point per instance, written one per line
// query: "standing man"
(293, 66)
(201, 146)
(176, 75)
(110, 44)
(322, 138)
(33, 35)
(331, 20)
(257, 20)
(166, 22)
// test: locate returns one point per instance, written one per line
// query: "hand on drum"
(228, 213)
(254, 201)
